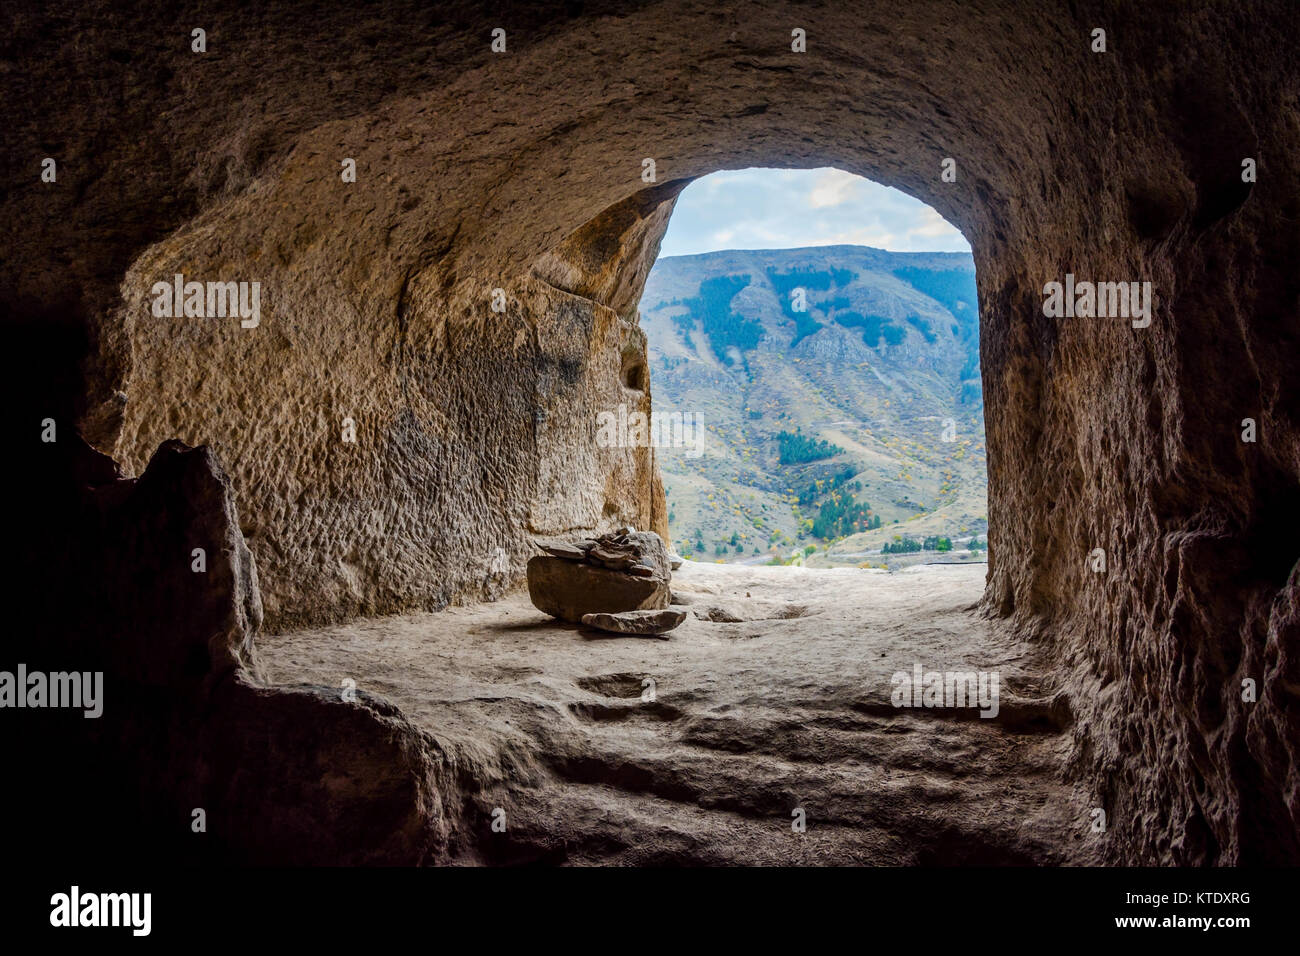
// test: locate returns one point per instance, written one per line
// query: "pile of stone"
(618, 582)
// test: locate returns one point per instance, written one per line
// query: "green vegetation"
(875, 326)
(780, 495)
(918, 323)
(901, 546)
(894, 334)
(804, 325)
(843, 515)
(809, 280)
(824, 486)
(954, 289)
(911, 545)
(797, 448)
(711, 308)
(869, 324)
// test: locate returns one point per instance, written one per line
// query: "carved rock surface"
(686, 751)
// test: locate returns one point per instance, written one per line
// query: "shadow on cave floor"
(701, 748)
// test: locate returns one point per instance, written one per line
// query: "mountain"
(839, 392)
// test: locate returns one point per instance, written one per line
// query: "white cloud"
(933, 224)
(833, 187)
(788, 208)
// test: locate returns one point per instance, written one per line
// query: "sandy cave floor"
(750, 720)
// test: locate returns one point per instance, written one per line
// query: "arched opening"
(820, 332)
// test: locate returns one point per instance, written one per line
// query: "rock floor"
(603, 749)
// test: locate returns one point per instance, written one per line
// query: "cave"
(449, 231)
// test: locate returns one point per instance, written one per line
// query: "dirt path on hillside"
(706, 747)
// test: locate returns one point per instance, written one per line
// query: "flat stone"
(561, 550)
(616, 560)
(637, 622)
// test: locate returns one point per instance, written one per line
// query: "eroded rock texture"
(521, 172)
(395, 440)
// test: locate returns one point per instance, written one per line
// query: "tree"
(901, 546)
(711, 307)
(797, 448)
(841, 515)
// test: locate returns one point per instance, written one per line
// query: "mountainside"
(839, 395)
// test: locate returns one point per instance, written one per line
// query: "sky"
(789, 208)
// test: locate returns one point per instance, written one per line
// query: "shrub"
(797, 448)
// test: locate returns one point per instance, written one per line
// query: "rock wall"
(395, 440)
(522, 171)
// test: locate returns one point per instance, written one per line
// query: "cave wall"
(395, 441)
(522, 171)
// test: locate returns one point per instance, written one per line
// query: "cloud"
(833, 187)
(787, 208)
(933, 224)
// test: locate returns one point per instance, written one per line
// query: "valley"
(839, 401)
